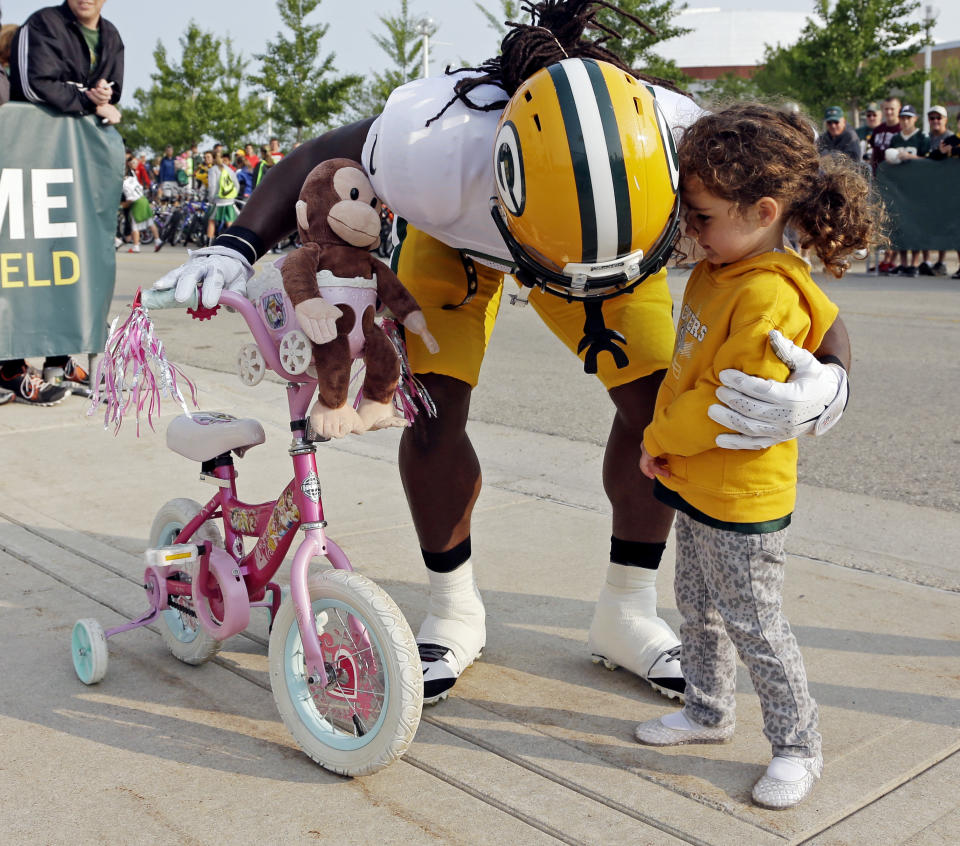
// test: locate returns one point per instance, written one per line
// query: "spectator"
(275, 153)
(7, 31)
(839, 139)
(260, 169)
(252, 158)
(167, 177)
(244, 174)
(871, 117)
(202, 170)
(196, 159)
(884, 132)
(143, 174)
(879, 141)
(222, 190)
(69, 58)
(183, 178)
(937, 117)
(908, 144)
(138, 206)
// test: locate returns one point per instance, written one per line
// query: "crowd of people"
(890, 136)
(221, 181)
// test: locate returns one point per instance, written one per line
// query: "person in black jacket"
(70, 58)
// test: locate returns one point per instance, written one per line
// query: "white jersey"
(440, 177)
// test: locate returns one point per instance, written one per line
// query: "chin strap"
(597, 338)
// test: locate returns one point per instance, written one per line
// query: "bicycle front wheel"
(368, 712)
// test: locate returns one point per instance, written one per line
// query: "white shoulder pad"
(679, 109)
(427, 173)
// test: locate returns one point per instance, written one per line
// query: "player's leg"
(626, 630)
(438, 465)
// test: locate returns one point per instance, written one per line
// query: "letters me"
(12, 203)
(65, 265)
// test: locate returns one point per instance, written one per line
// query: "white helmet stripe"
(598, 157)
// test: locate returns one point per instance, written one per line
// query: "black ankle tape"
(447, 562)
(636, 553)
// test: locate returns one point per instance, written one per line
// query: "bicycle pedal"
(181, 556)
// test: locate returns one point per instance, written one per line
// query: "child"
(222, 190)
(748, 172)
(141, 213)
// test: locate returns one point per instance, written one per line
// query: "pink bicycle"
(344, 667)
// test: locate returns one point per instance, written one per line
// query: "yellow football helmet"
(587, 181)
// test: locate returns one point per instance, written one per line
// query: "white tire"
(366, 717)
(181, 630)
(88, 647)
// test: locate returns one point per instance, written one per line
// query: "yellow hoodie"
(727, 313)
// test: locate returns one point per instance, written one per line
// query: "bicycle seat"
(207, 434)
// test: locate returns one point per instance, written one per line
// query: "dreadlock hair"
(748, 151)
(556, 32)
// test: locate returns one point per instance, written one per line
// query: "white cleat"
(626, 631)
(441, 669)
(454, 632)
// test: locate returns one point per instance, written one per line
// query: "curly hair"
(556, 32)
(748, 151)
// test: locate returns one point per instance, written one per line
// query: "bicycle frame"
(273, 523)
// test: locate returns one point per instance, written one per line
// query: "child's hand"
(652, 467)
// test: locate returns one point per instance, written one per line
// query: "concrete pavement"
(535, 745)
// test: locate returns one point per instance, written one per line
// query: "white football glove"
(765, 412)
(215, 267)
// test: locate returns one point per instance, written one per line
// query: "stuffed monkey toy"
(333, 282)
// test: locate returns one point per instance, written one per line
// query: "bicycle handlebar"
(152, 298)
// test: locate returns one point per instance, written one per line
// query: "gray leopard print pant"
(729, 588)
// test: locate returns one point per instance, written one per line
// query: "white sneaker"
(454, 632)
(677, 728)
(787, 781)
(626, 631)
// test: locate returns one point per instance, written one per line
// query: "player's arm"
(268, 216)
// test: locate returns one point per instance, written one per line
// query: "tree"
(182, 104)
(851, 52)
(294, 74)
(727, 88)
(636, 45)
(944, 86)
(510, 10)
(240, 114)
(404, 47)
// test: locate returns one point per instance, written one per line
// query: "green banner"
(60, 181)
(921, 200)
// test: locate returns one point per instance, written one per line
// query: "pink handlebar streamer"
(411, 395)
(135, 346)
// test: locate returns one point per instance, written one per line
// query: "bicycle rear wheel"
(184, 636)
(367, 715)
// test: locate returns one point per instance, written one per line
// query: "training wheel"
(296, 353)
(251, 365)
(88, 646)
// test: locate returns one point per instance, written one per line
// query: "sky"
(463, 35)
